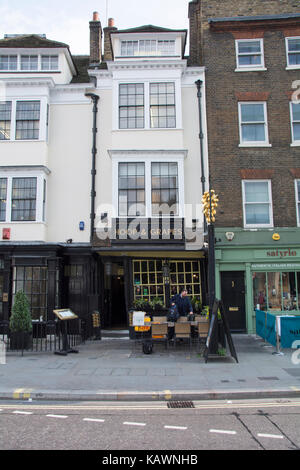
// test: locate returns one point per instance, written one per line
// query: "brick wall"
(229, 163)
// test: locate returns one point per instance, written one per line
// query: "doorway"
(118, 306)
(233, 297)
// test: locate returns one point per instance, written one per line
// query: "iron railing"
(45, 336)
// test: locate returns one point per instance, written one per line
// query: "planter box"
(20, 340)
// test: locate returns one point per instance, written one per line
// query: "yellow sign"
(276, 236)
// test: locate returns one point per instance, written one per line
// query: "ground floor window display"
(149, 281)
(276, 290)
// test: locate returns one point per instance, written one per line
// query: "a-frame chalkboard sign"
(213, 330)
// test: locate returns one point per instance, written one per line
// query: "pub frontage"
(147, 264)
(110, 275)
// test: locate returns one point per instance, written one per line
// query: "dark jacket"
(184, 305)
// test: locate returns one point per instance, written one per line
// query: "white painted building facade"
(147, 152)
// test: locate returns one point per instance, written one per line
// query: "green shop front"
(257, 270)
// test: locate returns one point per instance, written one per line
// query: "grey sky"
(68, 20)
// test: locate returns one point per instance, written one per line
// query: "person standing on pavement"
(183, 303)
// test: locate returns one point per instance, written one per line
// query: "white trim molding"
(297, 198)
(269, 203)
(147, 157)
(254, 143)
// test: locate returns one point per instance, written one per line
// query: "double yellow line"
(22, 393)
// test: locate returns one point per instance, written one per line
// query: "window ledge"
(251, 69)
(256, 227)
(20, 72)
(35, 222)
(22, 140)
(295, 144)
(150, 129)
(253, 145)
(292, 67)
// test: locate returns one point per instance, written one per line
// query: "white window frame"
(147, 159)
(30, 53)
(147, 123)
(254, 67)
(271, 224)
(40, 214)
(288, 66)
(42, 121)
(9, 62)
(294, 143)
(297, 198)
(153, 53)
(49, 56)
(263, 143)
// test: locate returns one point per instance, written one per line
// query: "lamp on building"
(166, 272)
(108, 268)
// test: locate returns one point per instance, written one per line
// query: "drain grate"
(181, 404)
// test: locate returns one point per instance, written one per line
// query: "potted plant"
(156, 303)
(196, 303)
(20, 323)
(142, 304)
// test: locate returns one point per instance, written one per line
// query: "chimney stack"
(108, 53)
(95, 39)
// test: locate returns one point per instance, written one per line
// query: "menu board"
(65, 314)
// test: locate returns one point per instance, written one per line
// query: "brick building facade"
(251, 51)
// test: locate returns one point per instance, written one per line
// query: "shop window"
(185, 274)
(149, 283)
(148, 280)
(276, 290)
(33, 280)
(298, 289)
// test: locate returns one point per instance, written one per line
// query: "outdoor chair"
(182, 331)
(159, 333)
(160, 319)
(203, 328)
(199, 318)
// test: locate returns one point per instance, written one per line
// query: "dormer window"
(147, 47)
(29, 62)
(8, 62)
(49, 62)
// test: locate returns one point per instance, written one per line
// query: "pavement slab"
(118, 370)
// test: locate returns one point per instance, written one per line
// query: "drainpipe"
(94, 99)
(201, 136)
